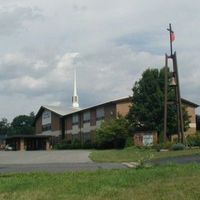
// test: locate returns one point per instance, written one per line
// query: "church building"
(80, 123)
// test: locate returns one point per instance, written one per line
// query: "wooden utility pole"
(176, 86)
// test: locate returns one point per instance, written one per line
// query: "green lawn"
(135, 154)
(157, 183)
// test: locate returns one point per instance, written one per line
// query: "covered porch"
(29, 142)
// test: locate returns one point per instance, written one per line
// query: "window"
(75, 137)
(46, 127)
(100, 113)
(86, 136)
(46, 117)
(75, 119)
(86, 116)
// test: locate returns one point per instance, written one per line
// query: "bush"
(193, 140)
(64, 144)
(76, 144)
(129, 142)
(68, 144)
(112, 134)
(167, 145)
(157, 147)
(178, 146)
(88, 144)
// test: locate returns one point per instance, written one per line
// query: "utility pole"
(176, 87)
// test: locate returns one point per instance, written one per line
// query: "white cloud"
(16, 18)
(40, 64)
(109, 42)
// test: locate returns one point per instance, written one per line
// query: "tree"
(198, 122)
(112, 133)
(4, 126)
(23, 125)
(147, 110)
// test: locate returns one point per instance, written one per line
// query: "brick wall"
(68, 122)
(93, 117)
(38, 125)
(110, 111)
(192, 114)
(55, 122)
(122, 108)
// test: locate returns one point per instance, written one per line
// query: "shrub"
(167, 145)
(193, 140)
(178, 146)
(68, 144)
(157, 147)
(129, 142)
(64, 144)
(112, 134)
(76, 144)
(88, 144)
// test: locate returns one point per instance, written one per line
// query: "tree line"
(20, 125)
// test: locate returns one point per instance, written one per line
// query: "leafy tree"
(112, 133)
(22, 125)
(4, 126)
(198, 122)
(147, 110)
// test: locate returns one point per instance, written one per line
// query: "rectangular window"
(46, 127)
(46, 117)
(86, 116)
(75, 119)
(100, 113)
(86, 136)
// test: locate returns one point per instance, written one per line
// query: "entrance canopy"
(29, 142)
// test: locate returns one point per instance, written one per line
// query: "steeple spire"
(75, 103)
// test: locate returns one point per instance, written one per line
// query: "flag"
(172, 36)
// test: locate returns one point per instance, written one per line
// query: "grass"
(134, 154)
(158, 183)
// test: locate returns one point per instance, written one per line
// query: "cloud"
(25, 75)
(16, 18)
(109, 42)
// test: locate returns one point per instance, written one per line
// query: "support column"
(47, 144)
(21, 146)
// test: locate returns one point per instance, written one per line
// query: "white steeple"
(75, 103)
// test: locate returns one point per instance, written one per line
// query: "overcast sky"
(109, 42)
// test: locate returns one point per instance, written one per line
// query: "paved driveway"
(44, 157)
(51, 161)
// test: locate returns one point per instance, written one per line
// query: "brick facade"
(111, 109)
(38, 125)
(123, 107)
(55, 122)
(192, 114)
(92, 117)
